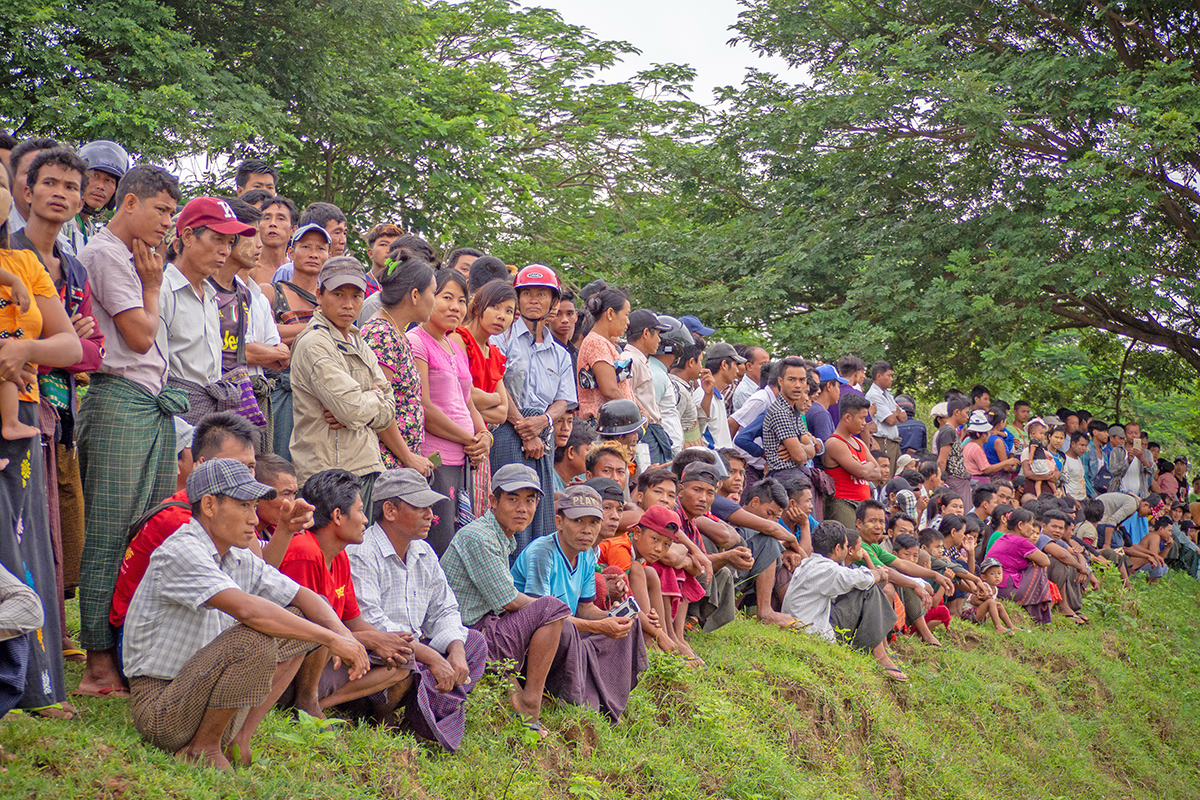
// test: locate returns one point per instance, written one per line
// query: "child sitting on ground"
(664, 589)
(908, 548)
(984, 603)
(11, 427)
(612, 585)
(952, 535)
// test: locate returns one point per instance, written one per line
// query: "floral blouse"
(393, 351)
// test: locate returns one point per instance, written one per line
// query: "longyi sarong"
(26, 552)
(127, 456)
(507, 449)
(1031, 590)
(440, 716)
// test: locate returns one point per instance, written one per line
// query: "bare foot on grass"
(204, 758)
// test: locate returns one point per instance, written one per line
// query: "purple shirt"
(1010, 551)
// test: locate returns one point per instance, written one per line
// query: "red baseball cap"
(212, 213)
(662, 520)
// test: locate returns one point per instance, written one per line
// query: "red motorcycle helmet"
(537, 275)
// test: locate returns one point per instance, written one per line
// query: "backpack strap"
(141, 521)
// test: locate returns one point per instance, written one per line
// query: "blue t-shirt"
(820, 423)
(1136, 528)
(542, 570)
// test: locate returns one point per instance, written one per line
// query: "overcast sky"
(692, 32)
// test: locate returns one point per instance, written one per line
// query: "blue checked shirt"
(408, 595)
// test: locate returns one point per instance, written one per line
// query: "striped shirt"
(20, 607)
(168, 621)
(408, 595)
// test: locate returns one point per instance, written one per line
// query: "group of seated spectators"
(278, 476)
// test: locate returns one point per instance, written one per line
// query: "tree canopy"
(966, 190)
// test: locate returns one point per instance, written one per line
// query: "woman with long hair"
(1025, 580)
(602, 374)
(489, 313)
(406, 295)
(454, 429)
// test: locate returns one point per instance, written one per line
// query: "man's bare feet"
(525, 708)
(238, 753)
(100, 676)
(666, 643)
(310, 705)
(204, 758)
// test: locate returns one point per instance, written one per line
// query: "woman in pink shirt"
(979, 426)
(1025, 578)
(599, 361)
(454, 429)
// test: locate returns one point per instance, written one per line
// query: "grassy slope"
(1108, 711)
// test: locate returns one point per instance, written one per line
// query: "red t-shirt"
(485, 372)
(305, 564)
(137, 555)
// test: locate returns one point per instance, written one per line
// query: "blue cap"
(829, 373)
(696, 327)
(311, 227)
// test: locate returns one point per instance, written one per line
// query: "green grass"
(1106, 711)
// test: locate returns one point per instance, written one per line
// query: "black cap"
(607, 488)
(642, 320)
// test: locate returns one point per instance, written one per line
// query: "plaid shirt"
(476, 566)
(168, 621)
(405, 595)
(782, 422)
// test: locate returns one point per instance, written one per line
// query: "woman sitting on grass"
(1025, 579)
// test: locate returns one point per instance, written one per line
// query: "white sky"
(692, 32)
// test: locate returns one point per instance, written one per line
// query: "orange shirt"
(617, 552)
(13, 324)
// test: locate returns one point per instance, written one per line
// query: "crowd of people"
(276, 475)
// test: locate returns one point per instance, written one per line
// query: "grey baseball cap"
(408, 485)
(340, 271)
(224, 476)
(723, 350)
(514, 477)
(579, 501)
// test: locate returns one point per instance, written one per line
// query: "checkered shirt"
(168, 621)
(409, 594)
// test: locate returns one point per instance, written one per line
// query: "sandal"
(532, 725)
(693, 661)
(108, 691)
(895, 674)
(64, 711)
(74, 656)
